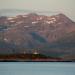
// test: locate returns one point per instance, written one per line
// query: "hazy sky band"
(64, 6)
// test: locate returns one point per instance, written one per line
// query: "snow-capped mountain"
(33, 31)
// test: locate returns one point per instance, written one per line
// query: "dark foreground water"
(37, 68)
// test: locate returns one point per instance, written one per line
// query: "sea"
(37, 68)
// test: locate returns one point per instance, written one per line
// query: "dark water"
(37, 68)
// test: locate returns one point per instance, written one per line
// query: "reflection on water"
(37, 68)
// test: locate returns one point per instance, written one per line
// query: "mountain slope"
(52, 35)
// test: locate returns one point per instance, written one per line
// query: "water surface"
(37, 68)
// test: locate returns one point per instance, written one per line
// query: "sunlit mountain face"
(50, 35)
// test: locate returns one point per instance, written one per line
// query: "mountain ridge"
(33, 31)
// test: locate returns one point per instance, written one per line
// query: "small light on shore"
(35, 52)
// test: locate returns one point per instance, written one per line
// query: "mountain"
(66, 45)
(51, 35)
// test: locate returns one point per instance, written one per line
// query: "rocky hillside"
(32, 31)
